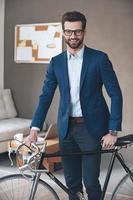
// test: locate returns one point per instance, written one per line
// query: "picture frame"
(37, 43)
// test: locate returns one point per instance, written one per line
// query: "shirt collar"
(79, 54)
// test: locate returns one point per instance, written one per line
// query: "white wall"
(2, 8)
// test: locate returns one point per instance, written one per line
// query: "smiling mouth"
(74, 40)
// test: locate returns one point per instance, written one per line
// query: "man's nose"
(73, 35)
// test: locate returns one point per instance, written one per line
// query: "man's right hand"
(32, 137)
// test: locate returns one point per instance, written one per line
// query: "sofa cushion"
(9, 127)
(7, 107)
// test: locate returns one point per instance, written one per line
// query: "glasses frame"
(77, 32)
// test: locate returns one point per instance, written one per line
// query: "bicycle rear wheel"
(16, 187)
(124, 189)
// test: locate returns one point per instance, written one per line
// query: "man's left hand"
(108, 140)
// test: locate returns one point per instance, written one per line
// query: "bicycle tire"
(124, 189)
(16, 187)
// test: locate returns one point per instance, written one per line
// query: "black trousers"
(81, 169)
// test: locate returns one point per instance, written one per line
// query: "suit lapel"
(86, 63)
(87, 57)
(65, 71)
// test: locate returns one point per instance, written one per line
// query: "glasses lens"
(77, 32)
(68, 32)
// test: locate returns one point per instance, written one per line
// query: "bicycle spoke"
(16, 187)
(124, 190)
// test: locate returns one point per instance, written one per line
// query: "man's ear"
(85, 31)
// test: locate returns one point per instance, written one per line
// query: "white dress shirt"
(74, 73)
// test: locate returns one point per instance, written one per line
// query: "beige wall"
(109, 28)
(2, 7)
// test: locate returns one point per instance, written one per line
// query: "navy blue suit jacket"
(96, 71)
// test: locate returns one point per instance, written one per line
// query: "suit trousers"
(81, 169)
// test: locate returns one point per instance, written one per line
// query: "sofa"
(10, 122)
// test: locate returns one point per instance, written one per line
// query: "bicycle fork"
(34, 186)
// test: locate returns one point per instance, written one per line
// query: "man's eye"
(68, 31)
(78, 31)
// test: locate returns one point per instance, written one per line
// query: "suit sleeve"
(112, 87)
(45, 99)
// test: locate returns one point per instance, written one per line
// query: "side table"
(52, 146)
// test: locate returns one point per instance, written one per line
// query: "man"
(83, 118)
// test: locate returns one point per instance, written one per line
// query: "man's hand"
(108, 140)
(32, 138)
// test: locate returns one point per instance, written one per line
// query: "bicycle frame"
(115, 155)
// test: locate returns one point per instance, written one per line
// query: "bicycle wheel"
(16, 187)
(124, 189)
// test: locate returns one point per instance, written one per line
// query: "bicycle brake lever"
(9, 155)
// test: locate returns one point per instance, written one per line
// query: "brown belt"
(76, 120)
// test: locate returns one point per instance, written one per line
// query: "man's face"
(73, 34)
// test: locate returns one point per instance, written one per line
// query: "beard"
(74, 43)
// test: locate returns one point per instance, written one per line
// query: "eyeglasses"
(76, 32)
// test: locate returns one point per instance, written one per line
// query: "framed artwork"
(37, 43)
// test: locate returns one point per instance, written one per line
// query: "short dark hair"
(73, 17)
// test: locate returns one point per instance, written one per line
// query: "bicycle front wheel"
(124, 189)
(16, 187)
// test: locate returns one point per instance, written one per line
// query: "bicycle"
(31, 187)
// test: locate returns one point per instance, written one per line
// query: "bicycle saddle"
(124, 140)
